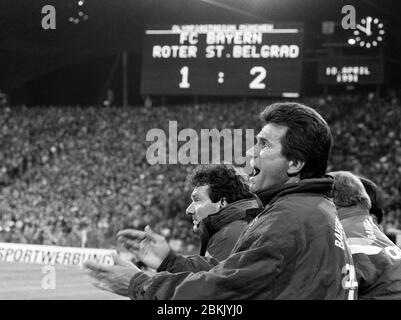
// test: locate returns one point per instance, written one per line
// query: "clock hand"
(358, 26)
(368, 26)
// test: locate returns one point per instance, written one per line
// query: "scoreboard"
(223, 59)
(351, 70)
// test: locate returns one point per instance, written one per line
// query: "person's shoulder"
(302, 207)
(308, 200)
(233, 229)
(221, 243)
(230, 231)
(295, 202)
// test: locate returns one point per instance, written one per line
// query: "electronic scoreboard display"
(351, 70)
(226, 60)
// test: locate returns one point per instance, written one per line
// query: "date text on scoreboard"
(351, 70)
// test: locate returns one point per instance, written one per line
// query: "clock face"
(369, 33)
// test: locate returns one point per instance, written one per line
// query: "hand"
(153, 248)
(114, 278)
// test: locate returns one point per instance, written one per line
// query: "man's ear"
(223, 202)
(295, 167)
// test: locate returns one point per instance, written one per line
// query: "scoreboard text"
(351, 70)
(229, 59)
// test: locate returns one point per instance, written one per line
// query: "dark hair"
(223, 182)
(376, 198)
(307, 139)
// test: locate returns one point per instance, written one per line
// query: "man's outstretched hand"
(151, 247)
(114, 278)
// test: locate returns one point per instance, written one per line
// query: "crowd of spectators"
(74, 176)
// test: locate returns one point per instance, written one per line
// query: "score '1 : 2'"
(256, 84)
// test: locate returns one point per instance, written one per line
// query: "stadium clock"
(369, 33)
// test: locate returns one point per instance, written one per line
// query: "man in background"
(376, 201)
(221, 201)
(377, 260)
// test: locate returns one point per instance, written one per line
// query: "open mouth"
(255, 172)
(195, 227)
(195, 223)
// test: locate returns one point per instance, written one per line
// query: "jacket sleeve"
(176, 263)
(238, 277)
(262, 256)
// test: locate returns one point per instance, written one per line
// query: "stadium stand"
(74, 176)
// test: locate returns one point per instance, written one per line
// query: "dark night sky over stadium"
(71, 64)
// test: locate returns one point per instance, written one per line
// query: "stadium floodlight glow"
(163, 32)
(351, 41)
(232, 8)
(290, 95)
(81, 2)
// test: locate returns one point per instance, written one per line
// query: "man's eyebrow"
(260, 137)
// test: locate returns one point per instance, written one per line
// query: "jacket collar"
(317, 185)
(234, 211)
(238, 210)
(352, 211)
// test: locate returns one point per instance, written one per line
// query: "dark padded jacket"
(377, 259)
(219, 232)
(294, 249)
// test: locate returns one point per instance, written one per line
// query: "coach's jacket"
(294, 249)
(219, 232)
(377, 259)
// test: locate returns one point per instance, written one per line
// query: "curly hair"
(223, 182)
